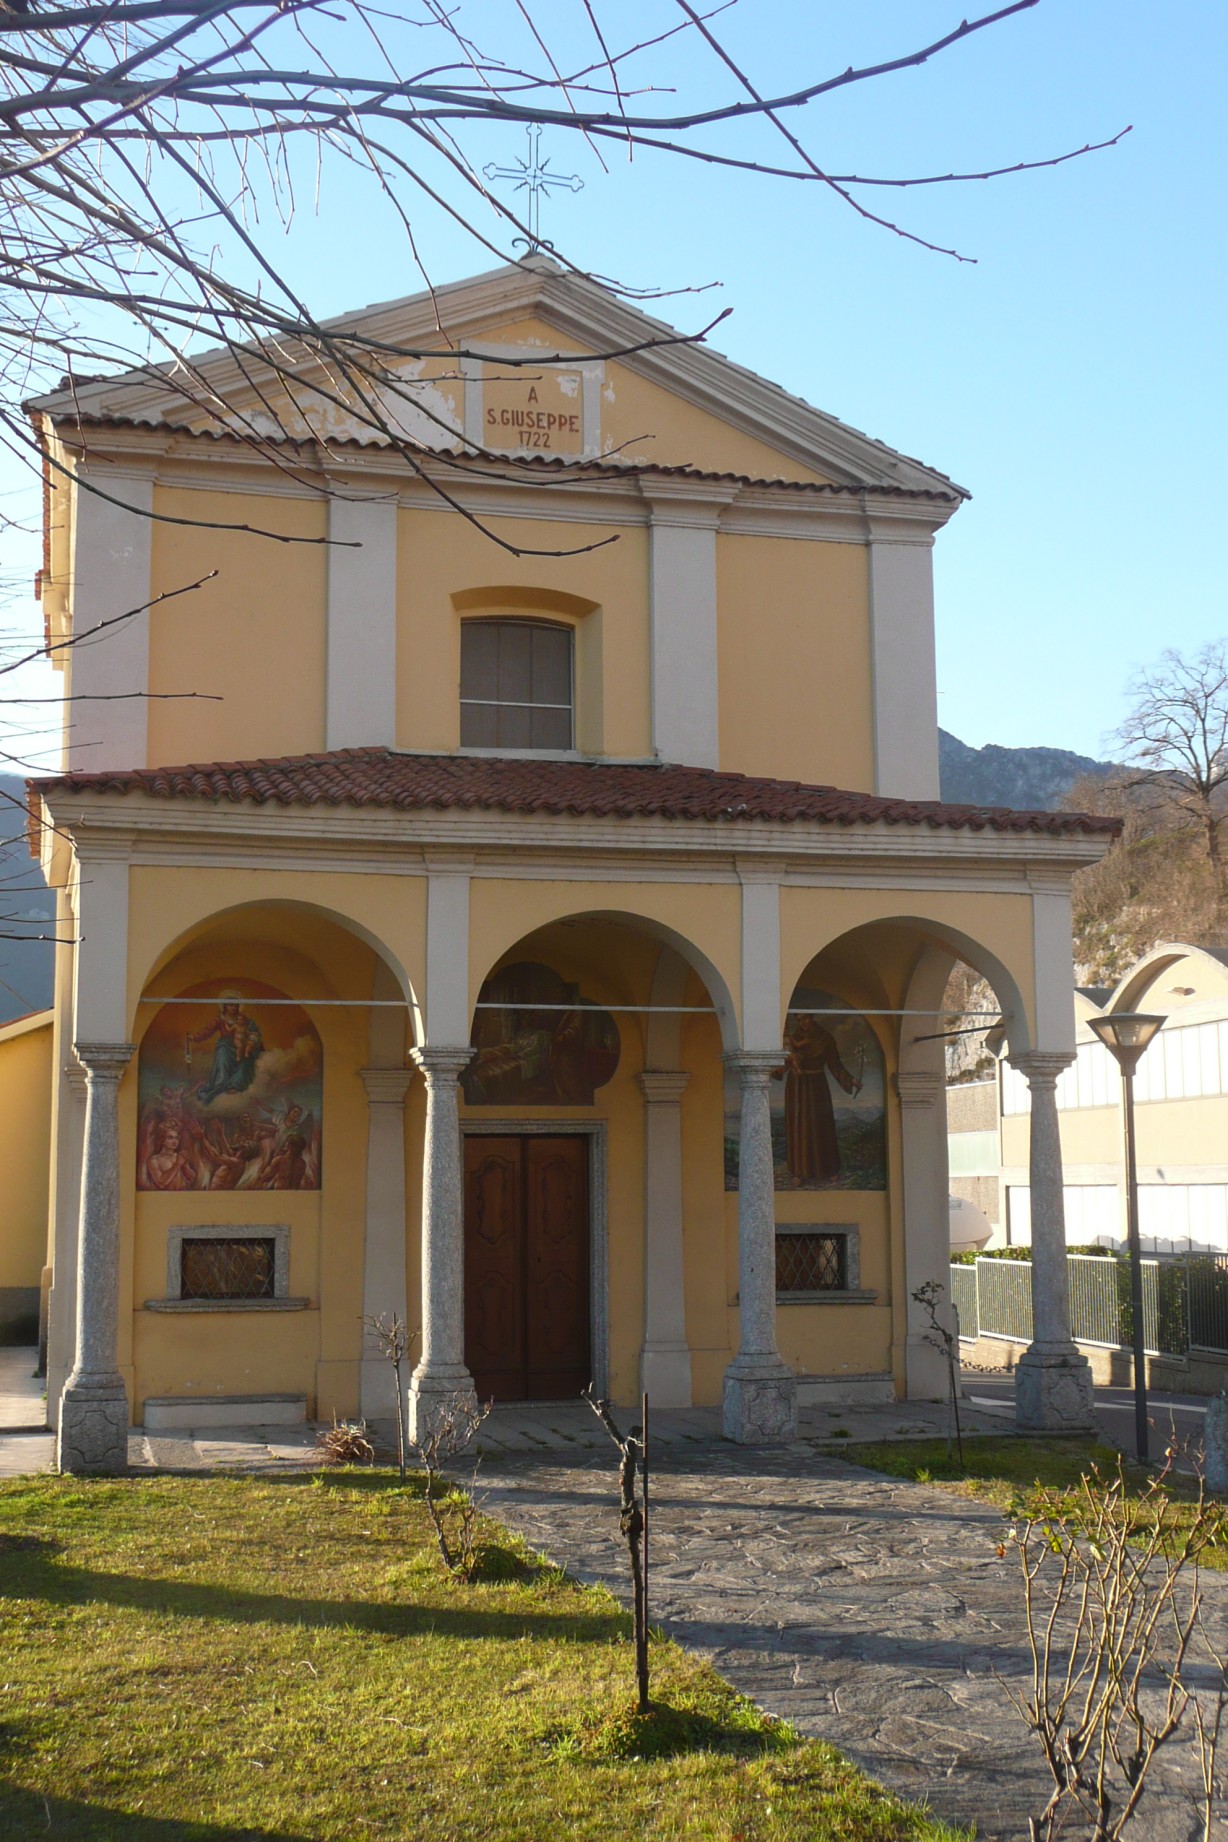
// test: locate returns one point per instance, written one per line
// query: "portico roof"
(406, 782)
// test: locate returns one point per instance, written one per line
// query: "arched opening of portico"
(264, 1184)
(884, 1200)
(599, 1243)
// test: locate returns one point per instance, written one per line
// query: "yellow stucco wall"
(25, 1156)
(795, 677)
(447, 569)
(259, 623)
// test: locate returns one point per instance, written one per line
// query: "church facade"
(521, 900)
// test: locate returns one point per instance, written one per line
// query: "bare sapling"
(633, 1523)
(1110, 1582)
(929, 1297)
(393, 1340)
(454, 1514)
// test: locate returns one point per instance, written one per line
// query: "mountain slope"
(1034, 778)
(27, 909)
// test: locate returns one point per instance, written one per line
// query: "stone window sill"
(227, 1304)
(827, 1298)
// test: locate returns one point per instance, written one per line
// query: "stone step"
(197, 1410)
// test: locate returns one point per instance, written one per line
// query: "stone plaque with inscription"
(542, 411)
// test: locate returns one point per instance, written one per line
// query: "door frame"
(598, 1216)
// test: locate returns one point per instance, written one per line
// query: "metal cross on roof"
(532, 176)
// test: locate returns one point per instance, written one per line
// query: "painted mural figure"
(254, 1122)
(812, 1146)
(239, 1043)
(542, 1045)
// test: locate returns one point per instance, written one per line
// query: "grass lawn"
(1013, 1472)
(206, 1659)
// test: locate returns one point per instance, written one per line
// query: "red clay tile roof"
(611, 790)
(496, 466)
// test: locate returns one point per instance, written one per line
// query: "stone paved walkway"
(873, 1613)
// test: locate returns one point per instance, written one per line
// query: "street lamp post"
(1126, 1034)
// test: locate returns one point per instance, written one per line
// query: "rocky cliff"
(1035, 778)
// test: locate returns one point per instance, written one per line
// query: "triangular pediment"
(638, 391)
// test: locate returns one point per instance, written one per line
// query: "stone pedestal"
(441, 1383)
(1053, 1382)
(760, 1393)
(665, 1360)
(383, 1281)
(93, 1419)
(1215, 1436)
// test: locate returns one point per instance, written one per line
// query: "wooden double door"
(527, 1335)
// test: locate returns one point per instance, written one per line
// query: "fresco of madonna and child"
(230, 1093)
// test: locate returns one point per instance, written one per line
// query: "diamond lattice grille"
(809, 1262)
(226, 1269)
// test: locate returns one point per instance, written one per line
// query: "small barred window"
(811, 1261)
(220, 1268)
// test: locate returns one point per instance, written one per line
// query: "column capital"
(1041, 1067)
(441, 1063)
(104, 1061)
(918, 1087)
(74, 1074)
(754, 1067)
(386, 1086)
(659, 1086)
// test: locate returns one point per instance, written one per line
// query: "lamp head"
(1126, 1034)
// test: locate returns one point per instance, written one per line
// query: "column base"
(759, 1405)
(665, 1375)
(443, 1404)
(1054, 1393)
(92, 1438)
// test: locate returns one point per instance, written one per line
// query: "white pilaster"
(1053, 1382)
(904, 674)
(927, 1223)
(93, 1422)
(112, 540)
(682, 600)
(360, 703)
(383, 1275)
(761, 1018)
(447, 956)
(760, 1393)
(441, 1379)
(665, 1360)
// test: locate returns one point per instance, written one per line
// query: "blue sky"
(1073, 377)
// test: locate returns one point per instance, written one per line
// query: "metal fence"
(1185, 1301)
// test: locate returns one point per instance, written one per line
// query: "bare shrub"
(345, 1442)
(1111, 1592)
(454, 1514)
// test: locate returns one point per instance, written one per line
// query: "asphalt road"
(1166, 1413)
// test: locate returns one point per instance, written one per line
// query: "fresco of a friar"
(829, 1129)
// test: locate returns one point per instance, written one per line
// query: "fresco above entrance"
(230, 1093)
(544, 1044)
(828, 1101)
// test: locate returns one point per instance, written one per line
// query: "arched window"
(516, 684)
